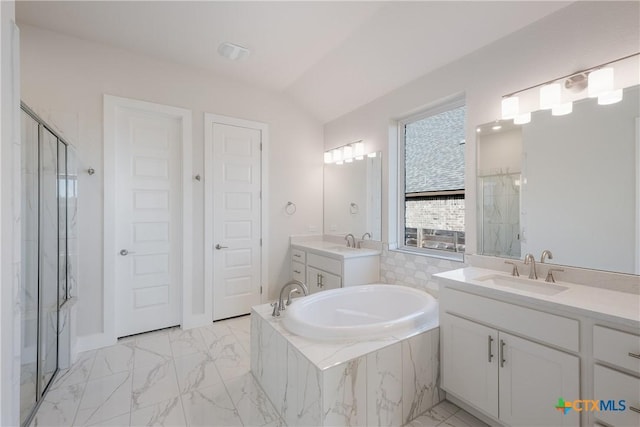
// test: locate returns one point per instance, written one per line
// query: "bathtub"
(362, 313)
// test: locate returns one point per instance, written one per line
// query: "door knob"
(125, 252)
(218, 247)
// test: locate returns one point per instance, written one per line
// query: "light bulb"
(372, 154)
(510, 107)
(337, 155)
(611, 97)
(347, 151)
(549, 96)
(562, 109)
(522, 119)
(600, 82)
(328, 157)
(358, 149)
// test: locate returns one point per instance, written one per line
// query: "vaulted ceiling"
(329, 56)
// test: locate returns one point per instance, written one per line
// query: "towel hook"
(291, 208)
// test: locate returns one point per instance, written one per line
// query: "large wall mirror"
(570, 184)
(353, 197)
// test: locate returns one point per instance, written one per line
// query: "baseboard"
(196, 321)
(94, 341)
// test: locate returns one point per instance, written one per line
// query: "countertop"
(333, 249)
(604, 304)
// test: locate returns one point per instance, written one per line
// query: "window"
(431, 193)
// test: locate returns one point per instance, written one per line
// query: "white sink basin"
(521, 284)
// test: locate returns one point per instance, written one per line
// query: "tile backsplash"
(416, 271)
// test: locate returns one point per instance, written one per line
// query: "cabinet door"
(320, 280)
(532, 379)
(470, 362)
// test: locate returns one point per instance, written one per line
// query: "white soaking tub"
(362, 313)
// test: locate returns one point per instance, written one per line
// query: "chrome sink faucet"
(546, 254)
(350, 243)
(364, 237)
(530, 259)
(279, 305)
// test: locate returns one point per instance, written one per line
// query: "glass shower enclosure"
(45, 197)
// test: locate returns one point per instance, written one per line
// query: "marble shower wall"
(415, 271)
(500, 197)
(387, 387)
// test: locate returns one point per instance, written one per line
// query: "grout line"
(84, 389)
(175, 370)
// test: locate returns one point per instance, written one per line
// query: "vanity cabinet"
(616, 374)
(490, 364)
(321, 273)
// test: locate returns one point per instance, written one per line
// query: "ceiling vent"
(232, 51)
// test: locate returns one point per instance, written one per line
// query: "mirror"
(353, 197)
(570, 184)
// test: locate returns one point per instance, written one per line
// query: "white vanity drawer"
(615, 347)
(298, 271)
(324, 263)
(609, 384)
(298, 256)
(545, 327)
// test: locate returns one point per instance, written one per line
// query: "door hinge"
(260, 290)
(261, 146)
(260, 242)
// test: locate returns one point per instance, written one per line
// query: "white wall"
(581, 35)
(10, 249)
(64, 79)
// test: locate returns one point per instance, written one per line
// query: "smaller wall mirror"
(353, 197)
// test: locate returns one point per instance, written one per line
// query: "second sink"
(523, 284)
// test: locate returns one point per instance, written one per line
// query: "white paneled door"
(148, 221)
(233, 216)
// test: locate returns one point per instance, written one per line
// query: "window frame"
(456, 102)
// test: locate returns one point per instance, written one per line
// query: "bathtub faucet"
(279, 305)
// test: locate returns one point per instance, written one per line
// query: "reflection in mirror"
(353, 197)
(577, 180)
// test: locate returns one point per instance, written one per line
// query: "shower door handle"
(125, 252)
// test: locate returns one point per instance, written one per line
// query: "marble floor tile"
(165, 413)
(210, 406)
(78, 373)
(251, 401)
(186, 342)
(153, 384)
(196, 370)
(464, 419)
(119, 421)
(59, 406)
(113, 359)
(232, 361)
(105, 398)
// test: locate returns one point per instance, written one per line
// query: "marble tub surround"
(387, 381)
(608, 305)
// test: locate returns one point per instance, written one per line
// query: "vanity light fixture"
(598, 80)
(372, 155)
(346, 154)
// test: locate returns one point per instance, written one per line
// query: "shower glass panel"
(29, 289)
(47, 191)
(48, 291)
(62, 223)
